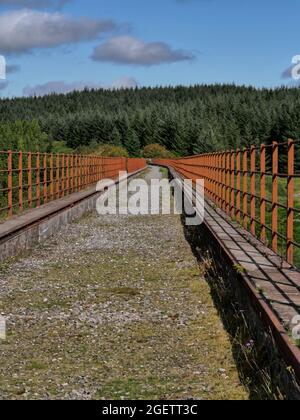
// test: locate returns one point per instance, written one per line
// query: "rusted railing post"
(238, 186)
(38, 180)
(76, 173)
(51, 177)
(228, 182)
(253, 191)
(245, 188)
(215, 177)
(224, 181)
(63, 169)
(86, 172)
(218, 192)
(91, 158)
(290, 201)
(68, 174)
(20, 180)
(275, 168)
(83, 171)
(45, 180)
(29, 178)
(10, 183)
(79, 173)
(71, 174)
(57, 176)
(232, 205)
(263, 235)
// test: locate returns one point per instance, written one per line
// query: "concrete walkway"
(113, 308)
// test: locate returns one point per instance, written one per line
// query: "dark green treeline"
(186, 120)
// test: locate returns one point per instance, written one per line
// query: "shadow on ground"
(261, 368)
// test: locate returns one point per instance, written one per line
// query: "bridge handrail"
(257, 186)
(30, 179)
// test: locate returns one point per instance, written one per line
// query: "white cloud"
(24, 30)
(130, 50)
(59, 86)
(62, 86)
(124, 83)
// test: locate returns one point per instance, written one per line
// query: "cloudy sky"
(61, 45)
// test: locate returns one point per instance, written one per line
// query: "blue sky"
(51, 46)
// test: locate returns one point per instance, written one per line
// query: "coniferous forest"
(186, 120)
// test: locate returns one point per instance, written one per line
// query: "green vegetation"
(185, 120)
(164, 172)
(22, 135)
(109, 150)
(156, 151)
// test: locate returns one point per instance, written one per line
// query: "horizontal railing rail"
(30, 179)
(258, 187)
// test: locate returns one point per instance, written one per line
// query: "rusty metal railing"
(29, 179)
(258, 187)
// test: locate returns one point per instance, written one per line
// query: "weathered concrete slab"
(22, 232)
(276, 281)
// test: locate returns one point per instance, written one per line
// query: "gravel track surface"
(113, 308)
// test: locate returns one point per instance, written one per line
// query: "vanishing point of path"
(113, 308)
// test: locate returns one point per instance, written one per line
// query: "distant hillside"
(186, 120)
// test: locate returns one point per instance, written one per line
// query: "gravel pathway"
(113, 308)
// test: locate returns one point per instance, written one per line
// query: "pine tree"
(115, 137)
(132, 143)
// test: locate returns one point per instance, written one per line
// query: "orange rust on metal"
(63, 175)
(51, 178)
(238, 185)
(45, 178)
(38, 179)
(83, 172)
(20, 181)
(29, 179)
(220, 180)
(10, 183)
(87, 170)
(224, 181)
(74, 173)
(275, 168)
(263, 233)
(68, 174)
(236, 182)
(290, 201)
(245, 188)
(213, 181)
(216, 199)
(232, 204)
(253, 191)
(71, 173)
(57, 177)
(228, 182)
